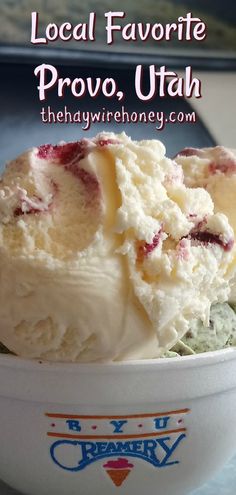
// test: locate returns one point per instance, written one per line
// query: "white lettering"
(34, 30)
(42, 70)
(110, 27)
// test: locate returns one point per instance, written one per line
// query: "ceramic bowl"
(145, 427)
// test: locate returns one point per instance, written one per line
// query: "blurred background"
(213, 62)
(219, 15)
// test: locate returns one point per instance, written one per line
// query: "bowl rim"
(170, 363)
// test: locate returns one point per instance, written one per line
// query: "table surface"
(223, 484)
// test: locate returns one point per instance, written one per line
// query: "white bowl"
(170, 424)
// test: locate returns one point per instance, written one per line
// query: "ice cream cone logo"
(118, 470)
(85, 439)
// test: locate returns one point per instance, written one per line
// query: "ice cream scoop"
(215, 170)
(219, 334)
(105, 253)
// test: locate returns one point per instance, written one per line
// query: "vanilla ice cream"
(215, 170)
(106, 254)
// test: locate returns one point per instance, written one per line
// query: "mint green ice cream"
(220, 333)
